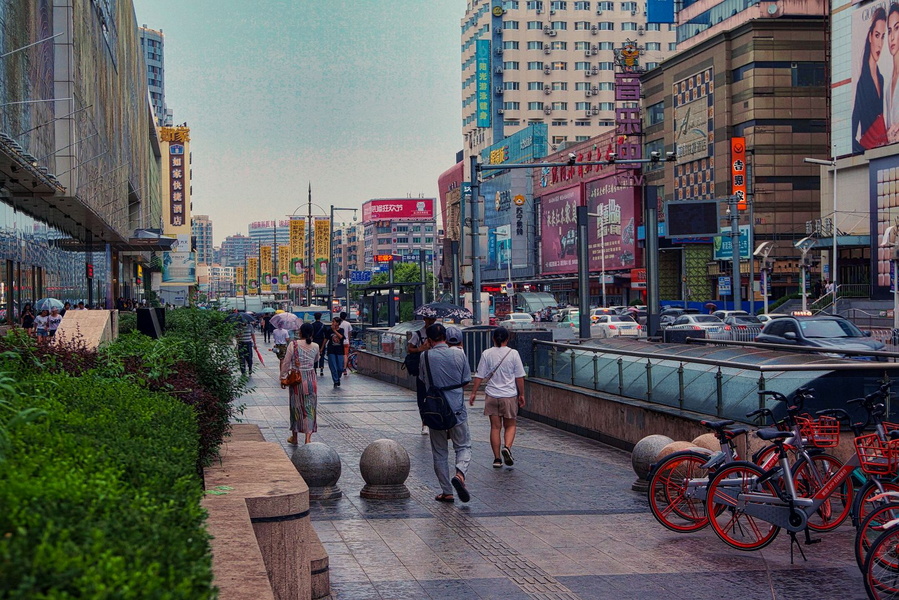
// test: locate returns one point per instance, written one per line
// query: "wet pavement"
(562, 523)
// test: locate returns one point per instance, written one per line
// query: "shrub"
(127, 322)
(100, 497)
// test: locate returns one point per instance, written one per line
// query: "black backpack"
(318, 333)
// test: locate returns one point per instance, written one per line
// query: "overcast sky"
(360, 97)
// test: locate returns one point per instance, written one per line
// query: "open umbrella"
(48, 304)
(268, 310)
(288, 321)
(441, 310)
(240, 317)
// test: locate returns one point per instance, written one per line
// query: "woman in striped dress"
(303, 396)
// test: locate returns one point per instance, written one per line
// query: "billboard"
(875, 96)
(522, 146)
(884, 212)
(694, 126)
(401, 209)
(484, 77)
(558, 226)
(179, 268)
(614, 234)
(297, 251)
(723, 248)
(322, 247)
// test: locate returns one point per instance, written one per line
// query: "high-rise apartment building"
(265, 232)
(152, 42)
(548, 61)
(399, 227)
(201, 229)
(236, 249)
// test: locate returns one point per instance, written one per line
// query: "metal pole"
(329, 279)
(475, 245)
(765, 276)
(653, 301)
(833, 276)
(509, 257)
(751, 291)
(309, 266)
(895, 264)
(457, 276)
(602, 243)
(583, 283)
(802, 275)
(735, 250)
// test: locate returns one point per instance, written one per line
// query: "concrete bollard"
(708, 441)
(384, 466)
(319, 465)
(644, 456)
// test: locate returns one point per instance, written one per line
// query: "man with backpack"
(418, 343)
(318, 337)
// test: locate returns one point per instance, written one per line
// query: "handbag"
(434, 409)
(293, 376)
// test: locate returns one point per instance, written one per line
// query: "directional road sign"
(360, 276)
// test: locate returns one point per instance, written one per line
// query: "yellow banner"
(253, 276)
(265, 265)
(322, 251)
(297, 251)
(239, 281)
(283, 265)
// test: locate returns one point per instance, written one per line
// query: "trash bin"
(151, 321)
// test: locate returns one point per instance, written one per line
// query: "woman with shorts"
(501, 369)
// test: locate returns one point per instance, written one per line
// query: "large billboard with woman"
(875, 75)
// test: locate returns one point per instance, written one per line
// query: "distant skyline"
(361, 98)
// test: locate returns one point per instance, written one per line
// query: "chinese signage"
(179, 268)
(177, 185)
(322, 248)
(558, 224)
(520, 147)
(297, 251)
(283, 264)
(253, 275)
(724, 248)
(239, 280)
(265, 265)
(402, 209)
(883, 186)
(614, 233)
(628, 122)
(483, 78)
(738, 170)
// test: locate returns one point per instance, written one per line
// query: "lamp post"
(804, 245)
(602, 248)
(833, 261)
(330, 278)
(762, 251)
(309, 269)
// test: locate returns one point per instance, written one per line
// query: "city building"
(152, 43)
(201, 229)
(549, 62)
(399, 227)
(236, 248)
(265, 232)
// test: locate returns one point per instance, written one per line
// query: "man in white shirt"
(503, 371)
(347, 330)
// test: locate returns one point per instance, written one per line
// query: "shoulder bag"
(412, 362)
(434, 409)
(293, 376)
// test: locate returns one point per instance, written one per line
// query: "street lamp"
(763, 250)
(833, 269)
(804, 245)
(602, 247)
(310, 232)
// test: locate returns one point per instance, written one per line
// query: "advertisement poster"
(615, 233)
(253, 276)
(265, 266)
(283, 264)
(875, 94)
(297, 248)
(239, 281)
(403, 209)
(884, 208)
(179, 268)
(558, 224)
(322, 247)
(723, 248)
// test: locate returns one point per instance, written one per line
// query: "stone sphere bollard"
(319, 465)
(672, 448)
(643, 457)
(384, 467)
(708, 441)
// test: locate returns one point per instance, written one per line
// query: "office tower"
(201, 229)
(152, 42)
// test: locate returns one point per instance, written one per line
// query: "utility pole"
(735, 250)
(310, 282)
(475, 243)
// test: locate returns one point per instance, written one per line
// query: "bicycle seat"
(717, 425)
(773, 434)
(733, 433)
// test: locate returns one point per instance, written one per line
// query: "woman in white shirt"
(42, 324)
(501, 368)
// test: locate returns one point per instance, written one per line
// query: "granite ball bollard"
(672, 448)
(384, 466)
(319, 465)
(644, 456)
(708, 441)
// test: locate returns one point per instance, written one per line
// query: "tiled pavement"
(562, 524)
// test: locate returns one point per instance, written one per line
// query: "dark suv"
(818, 331)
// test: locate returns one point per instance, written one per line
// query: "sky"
(360, 98)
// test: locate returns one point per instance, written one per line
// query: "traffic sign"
(724, 286)
(360, 276)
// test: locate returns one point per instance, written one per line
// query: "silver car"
(712, 325)
(743, 328)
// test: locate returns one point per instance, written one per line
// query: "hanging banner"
(265, 266)
(738, 170)
(322, 250)
(297, 251)
(283, 264)
(239, 281)
(253, 276)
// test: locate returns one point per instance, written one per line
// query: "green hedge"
(100, 497)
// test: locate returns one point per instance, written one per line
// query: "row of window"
(583, 26)
(581, 86)
(514, 65)
(563, 123)
(404, 229)
(561, 105)
(404, 240)
(563, 5)
(578, 46)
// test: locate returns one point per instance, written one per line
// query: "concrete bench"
(264, 546)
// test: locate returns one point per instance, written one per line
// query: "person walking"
(245, 344)
(335, 351)
(55, 320)
(347, 328)
(267, 328)
(500, 368)
(318, 336)
(27, 317)
(42, 324)
(281, 336)
(304, 395)
(419, 343)
(443, 367)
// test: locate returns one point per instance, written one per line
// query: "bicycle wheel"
(674, 501)
(881, 572)
(810, 478)
(731, 522)
(863, 504)
(354, 362)
(871, 528)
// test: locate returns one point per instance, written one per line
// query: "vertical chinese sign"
(239, 281)
(628, 122)
(265, 265)
(297, 251)
(283, 264)
(738, 170)
(253, 276)
(322, 247)
(176, 170)
(482, 72)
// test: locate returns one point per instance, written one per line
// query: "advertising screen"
(403, 209)
(558, 224)
(615, 232)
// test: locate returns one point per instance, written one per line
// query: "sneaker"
(337, 384)
(424, 430)
(507, 456)
(497, 463)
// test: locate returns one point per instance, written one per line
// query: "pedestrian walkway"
(563, 523)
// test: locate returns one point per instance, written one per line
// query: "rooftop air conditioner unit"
(552, 34)
(546, 50)
(547, 111)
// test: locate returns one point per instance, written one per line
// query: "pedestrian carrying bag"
(412, 362)
(434, 409)
(293, 376)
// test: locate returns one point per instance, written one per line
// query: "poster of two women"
(875, 75)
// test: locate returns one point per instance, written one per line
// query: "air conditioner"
(595, 111)
(501, 111)
(587, 73)
(640, 30)
(498, 70)
(594, 30)
(547, 29)
(586, 53)
(539, 11)
(546, 51)
(499, 91)
(588, 114)
(594, 70)
(499, 50)
(595, 90)
(599, 11)
(547, 91)
(634, 12)
(499, 30)
(552, 34)
(547, 111)
(547, 70)
(588, 92)
(552, 11)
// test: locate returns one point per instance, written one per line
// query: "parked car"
(568, 316)
(607, 326)
(712, 325)
(743, 328)
(597, 312)
(818, 331)
(513, 320)
(723, 314)
(770, 316)
(670, 314)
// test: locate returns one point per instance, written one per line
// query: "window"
(606, 26)
(581, 106)
(605, 66)
(606, 123)
(584, 123)
(581, 25)
(558, 5)
(510, 105)
(582, 45)
(535, 85)
(807, 74)
(416, 240)
(510, 65)
(582, 86)
(672, 46)
(581, 5)
(559, 25)
(655, 113)
(558, 139)
(605, 85)
(510, 85)
(559, 45)
(510, 45)
(535, 45)
(429, 228)
(653, 27)
(606, 106)
(561, 123)
(402, 240)
(651, 65)
(535, 4)
(582, 66)
(606, 45)
(605, 6)
(653, 46)
(535, 65)
(384, 241)
(510, 4)
(430, 240)
(560, 106)
(510, 24)
(628, 27)
(625, 6)
(559, 66)
(535, 106)
(560, 85)
(535, 24)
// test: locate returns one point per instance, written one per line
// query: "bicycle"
(880, 571)
(353, 356)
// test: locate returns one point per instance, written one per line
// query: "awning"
(143, 240)
(842, 240)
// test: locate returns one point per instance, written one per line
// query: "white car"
(713, 326)
(513, 320)
(615, 326)
(770, 316)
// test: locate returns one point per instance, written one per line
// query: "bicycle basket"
(877, 457)
(823, 432)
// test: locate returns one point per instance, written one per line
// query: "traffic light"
(89, 270)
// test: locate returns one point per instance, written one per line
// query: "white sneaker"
(424, 430)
